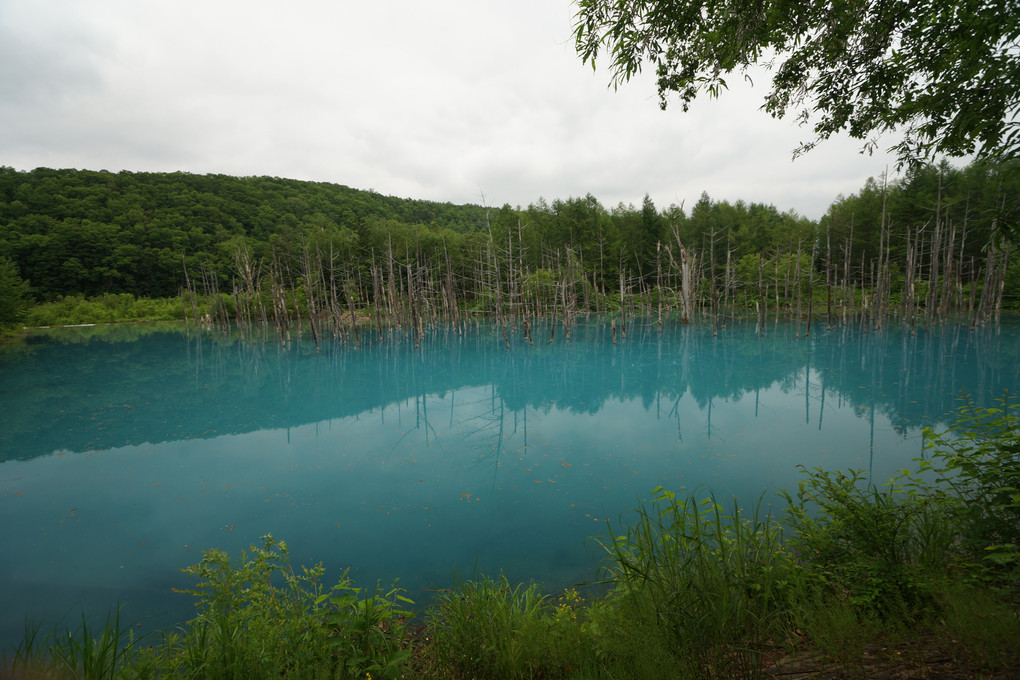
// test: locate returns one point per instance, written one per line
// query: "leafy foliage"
(945, 74)
(873, 549)
(105, 308)
(980, 461)
(15, 296)
(250, 626)
(94, 232)
(936, 544)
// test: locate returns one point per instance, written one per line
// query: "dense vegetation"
(944, 74)
(922, 247)
(929, 561)
(72, 231)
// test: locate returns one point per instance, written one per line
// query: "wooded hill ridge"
(92, 232)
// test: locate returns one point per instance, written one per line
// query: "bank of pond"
(920, 574)
(294, 311)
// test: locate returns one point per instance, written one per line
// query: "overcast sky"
(444, 100)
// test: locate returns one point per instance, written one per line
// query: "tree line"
(920, 246)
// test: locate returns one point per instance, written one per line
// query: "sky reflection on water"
(123, 458)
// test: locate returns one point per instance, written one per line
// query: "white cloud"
(439, 100)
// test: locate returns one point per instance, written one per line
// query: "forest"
(927, 246)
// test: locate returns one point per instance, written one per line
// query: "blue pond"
(126, 451)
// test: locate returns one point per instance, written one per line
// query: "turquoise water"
(124, 452)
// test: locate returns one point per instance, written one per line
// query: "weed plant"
(932, 549)
(257, 618)
(293, 628)
(709, 584)
(872, 548)
(696, 590)
(979, 460)
(489, 628)
(980, 626)
(87, 652)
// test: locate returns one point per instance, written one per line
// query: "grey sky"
(444, 100)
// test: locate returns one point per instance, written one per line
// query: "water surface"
(124, 452)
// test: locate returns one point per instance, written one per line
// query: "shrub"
(249, 626)
(876, 549)
(979, 459)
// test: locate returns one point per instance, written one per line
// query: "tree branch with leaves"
(943, 74)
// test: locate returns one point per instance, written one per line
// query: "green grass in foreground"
(696, 590)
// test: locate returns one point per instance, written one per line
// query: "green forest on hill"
(926, 240)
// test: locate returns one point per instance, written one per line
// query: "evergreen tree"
(15, 296)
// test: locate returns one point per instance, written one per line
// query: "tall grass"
(489, 628)
(87, 652)
(710, 583)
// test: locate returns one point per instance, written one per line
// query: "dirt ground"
(927, 658)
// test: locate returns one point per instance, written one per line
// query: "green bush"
(979, 459)
(249, 626)
(878, 550)
(919, 553)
